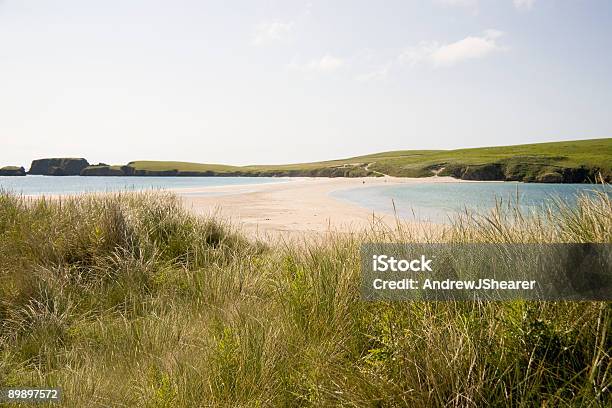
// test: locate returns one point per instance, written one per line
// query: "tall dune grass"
(128, 300)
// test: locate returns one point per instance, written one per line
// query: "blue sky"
(244, 82)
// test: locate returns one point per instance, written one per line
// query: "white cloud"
(523, 4)
(415, 55)
(379, 74)
(270, 32)
(468, 48)
(471, 47)
(325, 64)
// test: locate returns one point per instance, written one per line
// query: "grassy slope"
(573, 154)
(128, 300)
(181, 166)
(521, 162)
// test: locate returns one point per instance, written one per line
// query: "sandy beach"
(298, 206)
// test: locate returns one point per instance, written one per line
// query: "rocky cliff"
(12, 171)
(526, 172)
(502, 171)
(58, 167)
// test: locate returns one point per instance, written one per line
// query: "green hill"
(557, 162)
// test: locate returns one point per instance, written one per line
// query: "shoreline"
(290, 207)
(298, 206)
(295, 206)
(301, 206)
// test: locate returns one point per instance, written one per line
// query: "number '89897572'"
(30, 394)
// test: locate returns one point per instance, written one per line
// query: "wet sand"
(298, 206)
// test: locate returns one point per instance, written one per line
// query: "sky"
(265, 82)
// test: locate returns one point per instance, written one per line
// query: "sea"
(436, 202)
(67, 185)
(439, 202)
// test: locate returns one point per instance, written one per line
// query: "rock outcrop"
(12, 171)
(58, 167)
(102, 170)
(486, 172)
(525, 172)
(550, 177)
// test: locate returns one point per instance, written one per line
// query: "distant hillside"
(558, 162)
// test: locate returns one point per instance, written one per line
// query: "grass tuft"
(129, 300)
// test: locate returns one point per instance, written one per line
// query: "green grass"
(558, 161)
(128, 300)
(181, 166)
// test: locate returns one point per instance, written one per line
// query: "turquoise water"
(39, 185)
(437, 202)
